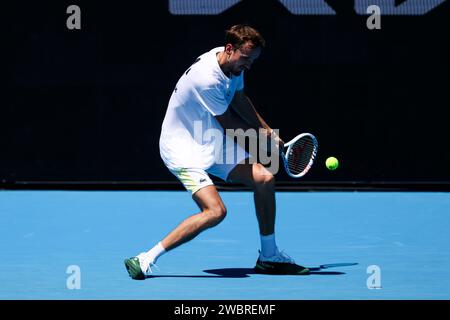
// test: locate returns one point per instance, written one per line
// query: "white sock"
(155, 252)
(268, 245)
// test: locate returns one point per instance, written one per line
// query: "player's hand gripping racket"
(299, 154)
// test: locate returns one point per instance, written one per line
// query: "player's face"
(242, 58)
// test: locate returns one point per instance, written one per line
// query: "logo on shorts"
(202, 180)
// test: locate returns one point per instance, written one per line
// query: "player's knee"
(263, 177)
(216, 214)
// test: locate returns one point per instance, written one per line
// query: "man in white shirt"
(191, 148)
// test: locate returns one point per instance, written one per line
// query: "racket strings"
(301, 155)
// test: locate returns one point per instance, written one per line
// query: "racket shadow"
(318, 270)
(326, 273)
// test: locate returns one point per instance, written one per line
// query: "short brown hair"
(240, 34)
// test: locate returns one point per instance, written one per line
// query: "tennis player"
(209, 97)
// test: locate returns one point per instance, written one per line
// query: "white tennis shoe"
(280, 263)
(279, 256)
(146, 263)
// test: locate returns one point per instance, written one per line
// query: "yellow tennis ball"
(332, 163)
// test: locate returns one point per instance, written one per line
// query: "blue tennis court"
(46, 235)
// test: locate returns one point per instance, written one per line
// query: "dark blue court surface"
(397, 242)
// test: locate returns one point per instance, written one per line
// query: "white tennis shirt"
(201, 93)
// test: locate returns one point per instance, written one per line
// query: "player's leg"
(213, 211)
(257, 177)
(239, 166)
(262, 181)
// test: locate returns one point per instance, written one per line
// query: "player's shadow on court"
(247, 272)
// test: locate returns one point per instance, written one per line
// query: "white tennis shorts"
(194, 179)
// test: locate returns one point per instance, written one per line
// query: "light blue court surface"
(405, 235)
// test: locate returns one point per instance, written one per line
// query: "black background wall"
(87, 105)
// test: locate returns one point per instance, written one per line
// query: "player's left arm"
(244, 107)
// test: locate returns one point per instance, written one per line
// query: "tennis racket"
(298, 154)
